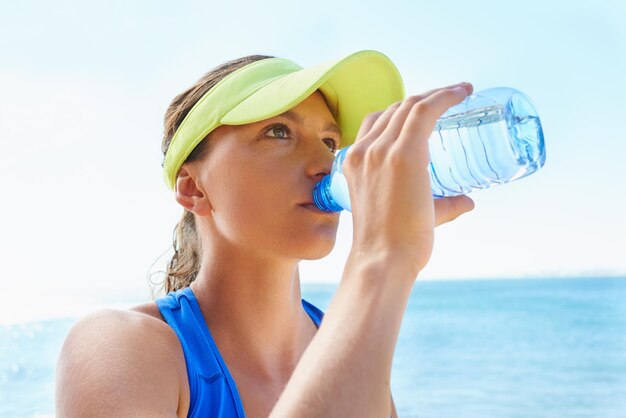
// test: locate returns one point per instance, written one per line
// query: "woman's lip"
(314, 208)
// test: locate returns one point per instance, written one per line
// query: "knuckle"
(371, 117)
(376, 153)
(399, 158)
(369, 156)
(414, 99)
(423, 106)
(354, 156)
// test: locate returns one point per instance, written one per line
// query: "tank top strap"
(314, 312)
(213, 392)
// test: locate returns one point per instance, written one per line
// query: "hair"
(183, 268)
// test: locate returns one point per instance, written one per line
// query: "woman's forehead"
(312, 110)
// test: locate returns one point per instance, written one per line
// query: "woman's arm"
(346, 369)
(119, 364)
(394, 413)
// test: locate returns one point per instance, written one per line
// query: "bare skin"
(248, 196)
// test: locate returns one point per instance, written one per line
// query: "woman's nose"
(320, 161)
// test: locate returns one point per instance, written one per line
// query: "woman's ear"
(190, 195)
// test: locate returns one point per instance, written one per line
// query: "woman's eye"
(279, 131)
(332, 144)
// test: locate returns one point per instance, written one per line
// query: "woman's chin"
(320, 252)
(315, 248)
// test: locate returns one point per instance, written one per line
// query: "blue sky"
(84, 85)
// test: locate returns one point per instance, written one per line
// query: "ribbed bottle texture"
(492, 137)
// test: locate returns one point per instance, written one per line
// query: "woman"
(244, 149)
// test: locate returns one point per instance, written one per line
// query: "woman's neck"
(252, 306)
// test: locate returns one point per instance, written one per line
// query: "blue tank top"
(212, 389)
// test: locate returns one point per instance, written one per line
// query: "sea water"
(527, 348)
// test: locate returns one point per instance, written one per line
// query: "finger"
(464, 84)
(375, 123)
(366, 125)
(421, 119)
(391, 123)
(449, 208)
(372, 122)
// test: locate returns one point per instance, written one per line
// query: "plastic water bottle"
(492, 137)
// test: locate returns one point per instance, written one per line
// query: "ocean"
(526, 348)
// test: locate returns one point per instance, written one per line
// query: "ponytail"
(183, 268)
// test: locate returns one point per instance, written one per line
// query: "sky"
(84, 86)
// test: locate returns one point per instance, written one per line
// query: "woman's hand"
(387, 173)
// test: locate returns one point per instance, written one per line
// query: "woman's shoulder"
(150, 309)
(134, 349)
(141, 323)
(139, 327)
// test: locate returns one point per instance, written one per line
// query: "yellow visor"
(361, 83)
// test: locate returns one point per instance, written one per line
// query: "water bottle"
(492, 137)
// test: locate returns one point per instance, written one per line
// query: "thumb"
(449, 208)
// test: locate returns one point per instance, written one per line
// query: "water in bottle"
(492, 137)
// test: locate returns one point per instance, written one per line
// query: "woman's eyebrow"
(332, 127)
(297, 118)
(293, 116)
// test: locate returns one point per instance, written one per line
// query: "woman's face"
(259, 178)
